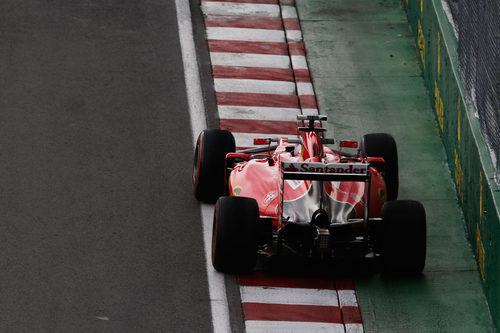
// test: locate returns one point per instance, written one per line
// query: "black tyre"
(234, 235)
(383, 145)
(403, 237)
(209, 163)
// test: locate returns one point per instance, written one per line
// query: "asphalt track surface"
(99, 231)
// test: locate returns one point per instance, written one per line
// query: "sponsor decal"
(237, 190)
(345, 168)
(294, 184)
(381, 194)
(269, 197)
(291, 168)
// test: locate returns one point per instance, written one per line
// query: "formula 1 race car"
(300, 196)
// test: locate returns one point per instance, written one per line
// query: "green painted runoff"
(363, 62)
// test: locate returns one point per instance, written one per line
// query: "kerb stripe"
(297, 296)
(253, 112)
(308, 102)
(240, 9)
(352, 328)
(351, 315)
(249, 60)
(259, 126)
(270, 2)
(347, 297)
(287, 312)
(245, 140)
(263, 280)
(254, 326)
(251, 22)
(297, 48)
(344, 284)
(255, 73)
(291, 24)
(302, 75)
(251, 99)
(245, 34)
(236, 46)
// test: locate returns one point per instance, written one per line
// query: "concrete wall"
(469, 158)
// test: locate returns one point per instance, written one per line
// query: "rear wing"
(352, 172)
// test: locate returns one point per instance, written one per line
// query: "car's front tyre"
(383, 145)
(209, 162)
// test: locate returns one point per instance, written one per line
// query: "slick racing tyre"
(209, 163)
(234, 235)
(403, 237)
(383, 145)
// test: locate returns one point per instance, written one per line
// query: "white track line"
(246, 34)
(289, 296)
(216, 284)
(249, 60)
(255, 86)
(256, 112)
(240, 9)
(254, 326)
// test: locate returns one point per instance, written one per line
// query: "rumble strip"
(262, 83)
(292, 304)
(261, 76)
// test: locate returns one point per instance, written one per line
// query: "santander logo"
(346, 168)
(291, 168)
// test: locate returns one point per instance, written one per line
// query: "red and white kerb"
(295, 304)
(259, 67)
(262, 83)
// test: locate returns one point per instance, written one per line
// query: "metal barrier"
(478, 26)
(456, 104)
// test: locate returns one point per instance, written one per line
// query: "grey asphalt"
(99, 231)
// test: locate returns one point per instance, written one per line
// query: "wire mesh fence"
(478, 27)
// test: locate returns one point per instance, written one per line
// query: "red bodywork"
(260, 176)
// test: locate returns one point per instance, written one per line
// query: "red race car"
(299, 195)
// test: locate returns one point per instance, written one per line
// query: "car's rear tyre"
(403, 237)
(234, 234)
(209, 163)
(383, 145)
